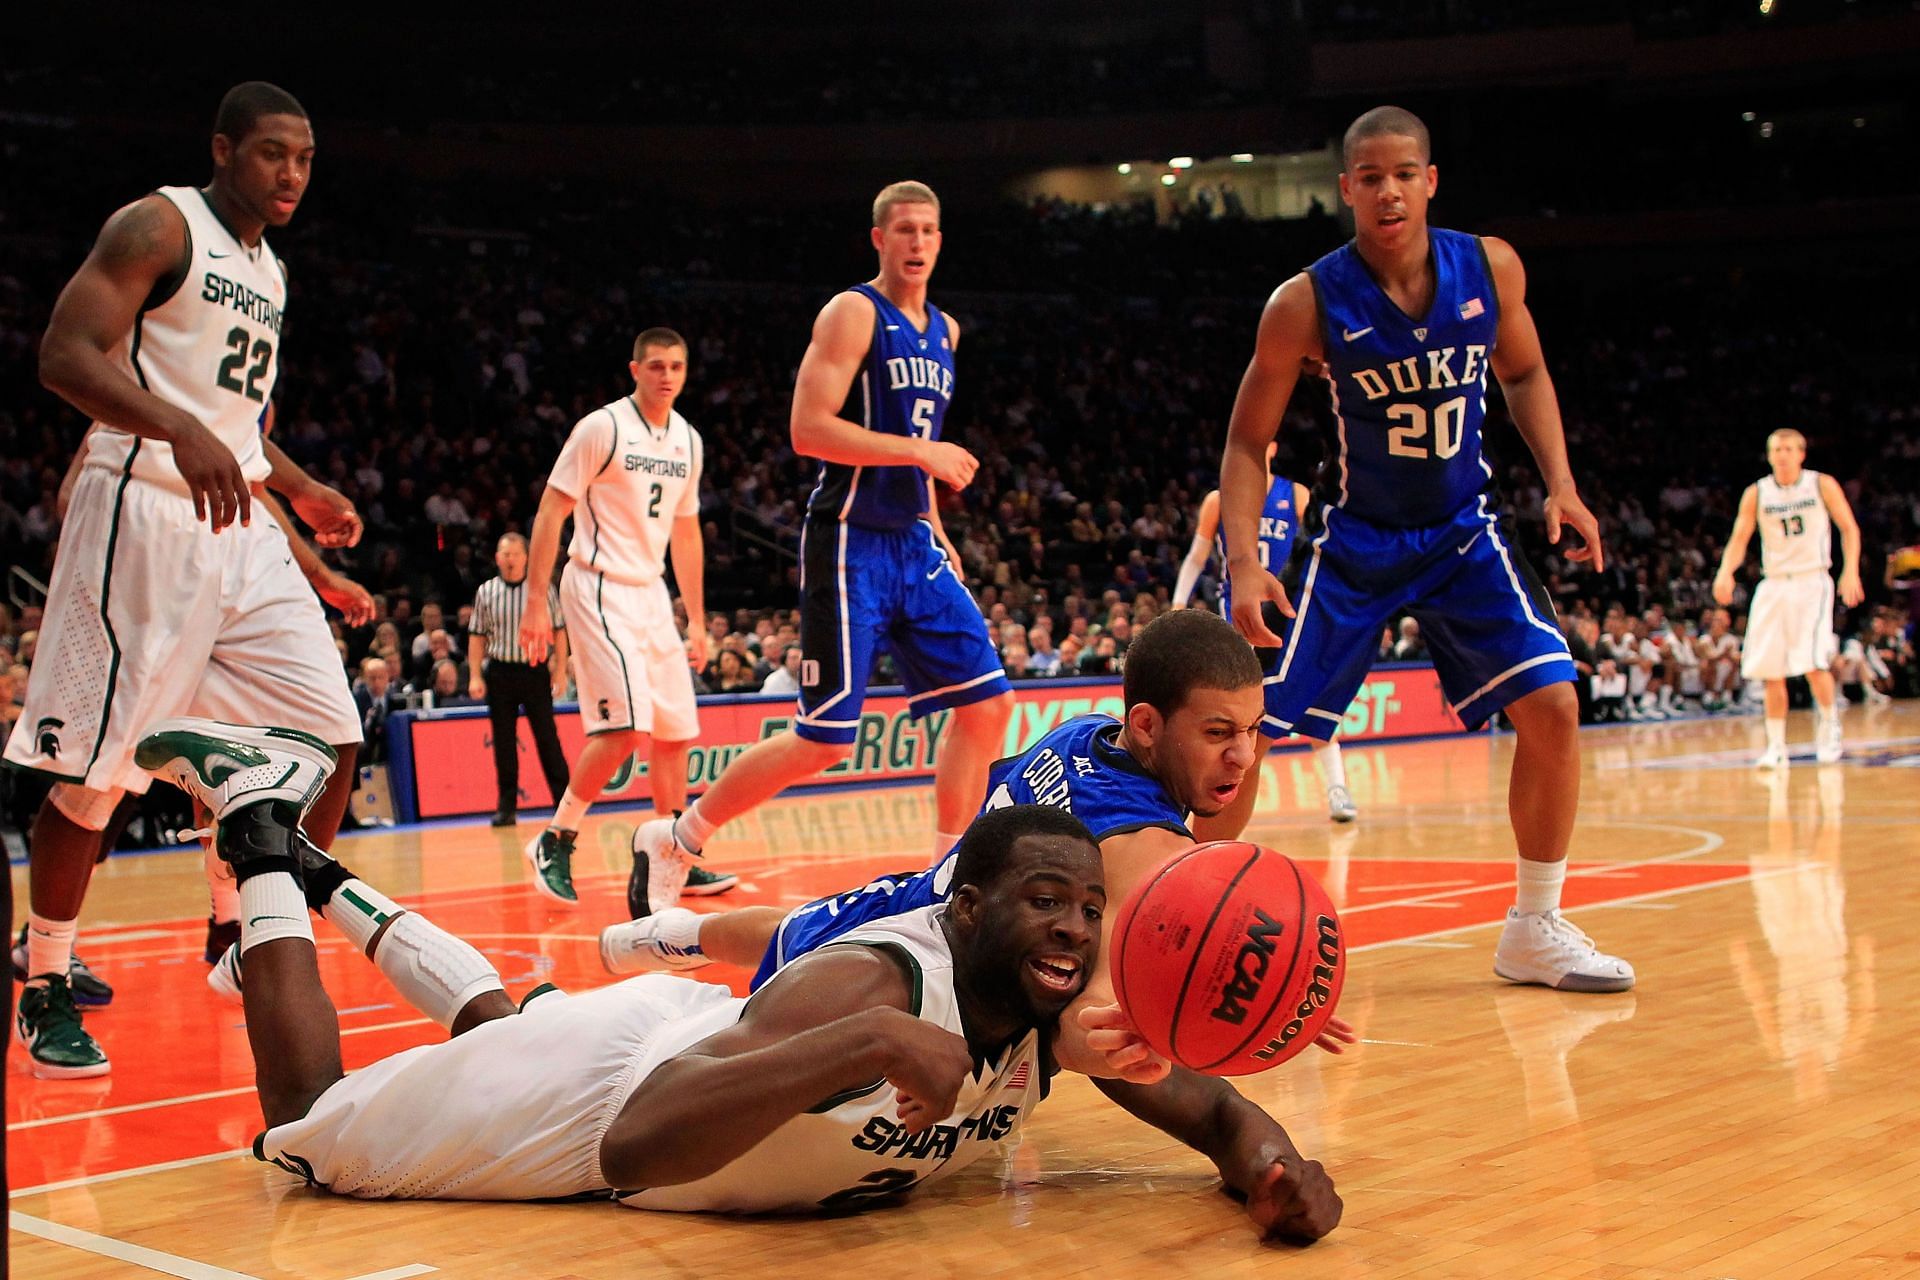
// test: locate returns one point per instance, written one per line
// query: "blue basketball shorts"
(1489, 625)
(867, 590)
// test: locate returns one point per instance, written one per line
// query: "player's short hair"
(1787, 433)
(658, 336)
(245, 103)
(1396, 122)
(1181, 651)
(982, 855)
(894, 193)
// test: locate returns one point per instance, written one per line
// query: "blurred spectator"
(377, 699)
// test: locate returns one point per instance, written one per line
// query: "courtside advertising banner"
(442, 761)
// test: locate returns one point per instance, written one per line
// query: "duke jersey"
(211, 347)
(1079, 767)
(852, 1148)
(904, 387)
(1409, 394)
(1795, 532)
(630, 481)
(1278, 523)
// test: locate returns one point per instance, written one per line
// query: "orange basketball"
(1228, 958)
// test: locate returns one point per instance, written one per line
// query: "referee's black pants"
(510, 686)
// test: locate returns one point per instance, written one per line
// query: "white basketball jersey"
(852, 1148)
(629, 481)
(1795, 534)
(213, 349)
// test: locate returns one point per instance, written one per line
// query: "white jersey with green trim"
(852, 1148)
(212, 348)
(630, 480)
(1795, 532)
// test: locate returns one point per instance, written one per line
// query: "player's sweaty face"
(1387, 184)
(661, 372)
(909, 243)
(1038, 930)
(269, 169)
(1204, 749)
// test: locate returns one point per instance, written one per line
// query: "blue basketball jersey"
(1409, 393)
(1079, 767)
(903, 389)
(1278, 524)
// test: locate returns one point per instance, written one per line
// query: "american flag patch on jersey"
(1021, 1074)
(1472, 307)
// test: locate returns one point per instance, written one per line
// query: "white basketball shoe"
(1544, 948)
(231, 766)
(666, 942)
(1340, 806)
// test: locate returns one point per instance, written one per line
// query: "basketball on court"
(1229, 958)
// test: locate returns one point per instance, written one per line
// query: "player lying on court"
(1192, 692)
(883, 1063)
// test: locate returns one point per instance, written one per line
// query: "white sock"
(943, 842)
(572, 809)
(1539, 886)
(1776, 734)
(49, 945)
(272, 907)
(691, 830)
(357, 909)
(1827, 715)
(1333, 769)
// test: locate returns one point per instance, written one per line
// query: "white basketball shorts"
(1789, 627)
(151, 614)
(629, 662)
(515, 1109)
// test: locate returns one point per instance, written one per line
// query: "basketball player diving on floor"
(1407, 320)
(885, 1062)
(1191, 691)
(169, 596)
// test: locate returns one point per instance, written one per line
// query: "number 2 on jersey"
(227, 379)
(653, 500)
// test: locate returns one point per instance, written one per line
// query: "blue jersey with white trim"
(1409, 394)
(1278, 524)
(1080, 767)
(903, 389)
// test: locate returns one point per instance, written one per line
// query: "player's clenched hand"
(697, 642)
(1294, 1200)
(927, 1065)
(536, 629)
(1851, 592)
(1565, 507)
(1723, 588)
(948, 463)
(330, 514)
(1253, 586)
(220, 492)
(1110, 1033)
(1337, 1035)
(348, 596)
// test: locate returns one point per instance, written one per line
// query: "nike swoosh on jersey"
(893, 328)
(1462, 550)
(216, 253)
(1352, 334)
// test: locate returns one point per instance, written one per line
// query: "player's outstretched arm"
(842, 336)
(1287, 1196)
(833, 1021)
(1521, 366)
(1288, 336)
(1840, 511)
(140, 246)
(1205, 522)
(1736, 553)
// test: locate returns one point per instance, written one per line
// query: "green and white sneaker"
(50, 1027)
(550, 854)
(231, 766)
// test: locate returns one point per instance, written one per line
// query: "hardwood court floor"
(1746, 1112)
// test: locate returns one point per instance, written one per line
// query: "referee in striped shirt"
(511, 682)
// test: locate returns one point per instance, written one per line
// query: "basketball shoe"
(666, 942)
(663, 869)
(49, 1024)
(550, 854)
(1828, 747)
(90, 990)
(1771, 758)
(1544, 948)
(1340, 806)
(229, 767)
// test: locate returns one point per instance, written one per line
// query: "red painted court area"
(182, 1080)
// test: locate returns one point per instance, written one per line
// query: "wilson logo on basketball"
(1319, 991)
(1249, 967)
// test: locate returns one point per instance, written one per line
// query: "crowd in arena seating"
(432, 378)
